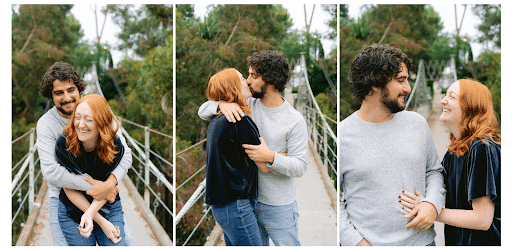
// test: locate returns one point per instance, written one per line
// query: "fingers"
(249, 146)
(262, 141)
(418, 194)
(412, 213)
(114, 235)
(407, 204)
(406, 199)
(406, 209)
(88, 179)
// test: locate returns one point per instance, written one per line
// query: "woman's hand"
(86, 225)
(231, 110)
(112, 232)
(409, 200)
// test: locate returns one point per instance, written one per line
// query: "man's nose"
(407, 87)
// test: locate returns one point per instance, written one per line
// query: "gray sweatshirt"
(49, 128)
(378, 161)
(284, 130)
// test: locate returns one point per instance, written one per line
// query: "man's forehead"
(60, 85)
(404, 72)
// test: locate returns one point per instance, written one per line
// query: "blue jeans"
(74, 238)
(238, 223)
(58, 237)
(280, 223)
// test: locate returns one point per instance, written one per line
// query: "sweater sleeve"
(349, 236)
(52, 171)
(208, 110)
(294, 164)
(435, 193)
(126, 161)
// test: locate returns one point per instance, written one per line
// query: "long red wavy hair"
(103, 118)
(478, 121)
(226, 86)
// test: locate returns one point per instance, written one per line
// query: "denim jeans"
(58, 237)
(238, 223)
(74, 238)
(280, 223)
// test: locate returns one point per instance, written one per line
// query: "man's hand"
(100, 190)
(259, 153)
(425, 213)
(232, 111)
(364, 242)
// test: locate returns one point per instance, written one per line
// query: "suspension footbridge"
(316, 192)
(146, 191)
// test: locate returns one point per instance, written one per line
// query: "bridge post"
(326, 153)
(146, 166)
(31, 171)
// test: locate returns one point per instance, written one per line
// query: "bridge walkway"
(441, 137)
(141, 231)
(317, 212)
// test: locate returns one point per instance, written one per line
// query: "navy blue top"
(230, 173)
(475, 174)
(87, 163)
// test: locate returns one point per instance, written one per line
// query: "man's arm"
(434, 181)
(430, 206)
(294, 164)
(208, 110)
(108, 189)
(52, 171)
(231, 111)
(349, 236)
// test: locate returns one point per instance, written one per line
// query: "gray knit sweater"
(49, 128)
(376, 162)
(284, 130)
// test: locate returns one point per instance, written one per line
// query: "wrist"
(271, 157)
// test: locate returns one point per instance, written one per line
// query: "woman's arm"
(479, 218)
(83, 204)
(91, 213)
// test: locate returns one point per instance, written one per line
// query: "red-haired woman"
(472, 167)
(89, 146)
(231, 176)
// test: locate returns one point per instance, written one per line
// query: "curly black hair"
(272, 66)
(376, 65)
(63, 72)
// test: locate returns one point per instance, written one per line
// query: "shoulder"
(486, 146)
(411, 116)
(61, 141)
(45, 120)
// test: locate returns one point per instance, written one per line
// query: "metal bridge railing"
(195, 200)
(148, 174)
(420, 98)
(27, 171)
(324, 140)
(23, 185)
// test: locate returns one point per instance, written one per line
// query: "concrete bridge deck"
(143, 234)
(317, 209)
(441, 137)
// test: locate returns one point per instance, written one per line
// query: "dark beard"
(392, 105)
(260, 94)
(64, 111)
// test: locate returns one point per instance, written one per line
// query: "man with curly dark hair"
(284, 146)
(383, 152)
(62, 85)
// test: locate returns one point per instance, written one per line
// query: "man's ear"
(374, 89)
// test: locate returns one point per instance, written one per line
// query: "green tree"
(142, 28)
(491, 23)
(41, 35)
